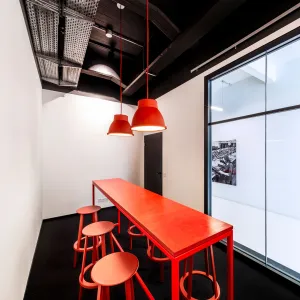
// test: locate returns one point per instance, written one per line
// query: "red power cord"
(147, 50)
(121, 59)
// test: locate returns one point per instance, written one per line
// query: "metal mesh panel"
(33, 25)
(48, 69)
(76, 39)
(71, 74)
(44, 28)
(85, 7)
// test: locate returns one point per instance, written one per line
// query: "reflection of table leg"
(175, 280)
(93, 194)
(230, 277)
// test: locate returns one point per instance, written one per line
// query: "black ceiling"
(182, 35)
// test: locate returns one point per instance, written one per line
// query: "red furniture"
(132, 234)
(177, 230)
(97, 232)
(161, 260)
(86, 210)
(115, 269)
(188, 274)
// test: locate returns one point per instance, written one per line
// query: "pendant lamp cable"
(147, 50)
(121, 61)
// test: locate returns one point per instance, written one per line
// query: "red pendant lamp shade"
(148, 117)
(120, 125)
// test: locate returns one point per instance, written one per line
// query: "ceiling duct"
(61, 67)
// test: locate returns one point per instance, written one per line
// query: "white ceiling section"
(44, 17)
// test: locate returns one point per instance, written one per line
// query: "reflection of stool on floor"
(189, 274)
(115, 269)
(161, 260)
(132, 234)
(97, 232)
(86, 210)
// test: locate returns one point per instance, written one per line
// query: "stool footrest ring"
(196, 272)
(81, 249)
(130, 232)
(83, 282)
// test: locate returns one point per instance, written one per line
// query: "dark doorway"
(153, 162)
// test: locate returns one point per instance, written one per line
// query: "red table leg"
(175, 280)
(230, 277)
(93, 194)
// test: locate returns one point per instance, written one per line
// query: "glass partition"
(253, 162)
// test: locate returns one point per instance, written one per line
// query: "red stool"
(114, 269)
(189, 274)
(161, 260)
(132, 234)
(86, 210)
(97, 232)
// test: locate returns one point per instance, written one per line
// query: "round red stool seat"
(86, 210)
(114, 269)
(98, 228)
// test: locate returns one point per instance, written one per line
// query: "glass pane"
(240, 92)
(238, 180)
(283, 77)
(283, 204)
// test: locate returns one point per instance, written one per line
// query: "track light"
(108, 33)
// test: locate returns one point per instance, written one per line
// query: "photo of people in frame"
(224, 162)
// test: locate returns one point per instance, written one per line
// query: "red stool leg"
(129, 290)
(83, 266)
(111, 243)
(78, 240)
(96, 216)
(104, 293)
(95, 250)
(213, 269)
(99, 293)
(189, 284)
(103, 245)
(206, 262)
(119, 222)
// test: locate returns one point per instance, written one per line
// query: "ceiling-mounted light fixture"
(120, 125)
(108, 33)
(148, 117)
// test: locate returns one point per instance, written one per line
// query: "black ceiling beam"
(186, 40)
(156, 16)
(100, 45)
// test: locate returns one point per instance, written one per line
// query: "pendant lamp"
(120, 125)
(147, 117)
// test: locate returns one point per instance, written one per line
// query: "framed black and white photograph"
(224, 162)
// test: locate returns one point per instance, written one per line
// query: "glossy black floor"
(53, 277)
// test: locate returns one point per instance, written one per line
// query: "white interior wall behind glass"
(242, 92)
(243, 205)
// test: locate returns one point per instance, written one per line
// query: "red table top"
(176, 227)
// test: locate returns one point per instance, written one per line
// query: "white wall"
(76, 150)
(183, 142)
(20, 190)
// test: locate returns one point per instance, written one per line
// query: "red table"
(177, 230)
